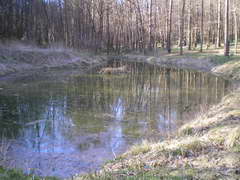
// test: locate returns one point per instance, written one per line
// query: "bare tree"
(182, 27)
(169, 26)
(226, 33)
(202, 30)
(190, 26)
(219, 25)
(151, 38)
(236, 26)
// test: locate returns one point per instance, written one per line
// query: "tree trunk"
(101, 20)
(142, 31)
(151, 38)
(219, 25)
(236, 29)
(182, 27)
(202, 33)
(226, 33)
(209, 31)
(169, 25)
(190, 25)
(108, 29)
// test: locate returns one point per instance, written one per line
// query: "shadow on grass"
(14, 174)
(165, 174)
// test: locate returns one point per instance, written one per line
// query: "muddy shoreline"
(18, 63)
(189, 63)
(22, 62)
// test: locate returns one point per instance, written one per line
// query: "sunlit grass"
(199, 151)
(233, 139)
(144, 147)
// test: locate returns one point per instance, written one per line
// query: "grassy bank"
(230, 68)
(14, 174)
(206, 148)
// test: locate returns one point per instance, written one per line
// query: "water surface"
(60, 128)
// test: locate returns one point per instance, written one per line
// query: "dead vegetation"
(230, 69)
(114, 70)
(20, 58)
(206, 148)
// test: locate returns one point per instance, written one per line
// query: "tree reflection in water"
(65, 128)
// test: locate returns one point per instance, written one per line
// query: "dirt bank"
(228, 67)
(186, 62)
(15, 60)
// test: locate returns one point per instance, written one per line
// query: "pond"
(60, 128)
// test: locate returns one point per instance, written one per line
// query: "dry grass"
(144, 147)
(229, 69)
(233, 139)
(17, 57)
(208, 147)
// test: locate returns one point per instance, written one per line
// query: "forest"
(123, 25)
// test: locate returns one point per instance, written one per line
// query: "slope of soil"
(15, 60)
(229, 69)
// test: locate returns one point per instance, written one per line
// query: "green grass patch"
(220, 59)
(143, 174)
(14, 174)
(139, 177)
